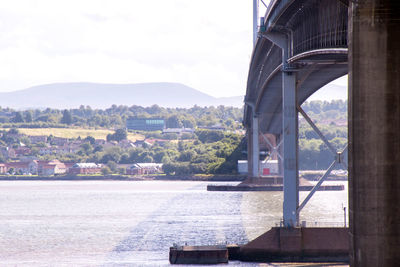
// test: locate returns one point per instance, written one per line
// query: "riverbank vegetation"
(203, 151)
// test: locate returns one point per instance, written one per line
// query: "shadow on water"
(194, 217)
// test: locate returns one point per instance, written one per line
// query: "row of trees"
(116, 116)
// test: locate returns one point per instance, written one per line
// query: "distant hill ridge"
(99, 95)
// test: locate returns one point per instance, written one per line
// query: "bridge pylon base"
(298, 244)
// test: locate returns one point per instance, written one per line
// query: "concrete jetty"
(198, 255)
(270, 183)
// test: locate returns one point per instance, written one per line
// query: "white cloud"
(204, 44)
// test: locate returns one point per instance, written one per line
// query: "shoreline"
(205, 178)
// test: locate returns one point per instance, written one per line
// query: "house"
(38, 139)
(68, 165)
(10, 152)
(126, 144)
(52, 167)
(18, 167)
(3, 168)
(4, 152)
(153, 141)
(47, 150)
(59, 141)
(67, 148)
(143, 143)
(144, 168)
(21, 151)
(85, 168)
(108, 144)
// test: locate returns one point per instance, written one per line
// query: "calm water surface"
(121, 223)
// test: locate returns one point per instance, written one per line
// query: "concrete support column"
(289, 133)
(255, 148)
(249, 135)
(290, 137)
(374, 132)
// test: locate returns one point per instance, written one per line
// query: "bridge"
(301, 45)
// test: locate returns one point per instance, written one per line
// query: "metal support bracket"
(338, 158)
(273, 148)
(277, 38)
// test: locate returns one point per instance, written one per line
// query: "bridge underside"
(312, 73)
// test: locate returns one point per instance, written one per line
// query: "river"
(124, 223)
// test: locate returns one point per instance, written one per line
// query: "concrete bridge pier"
(253, 147)
(374, 132)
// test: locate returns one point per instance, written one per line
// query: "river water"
(124, 223)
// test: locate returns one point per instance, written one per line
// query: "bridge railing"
(319, 25)
(319, 224)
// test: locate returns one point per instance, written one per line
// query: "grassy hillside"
(75, 132)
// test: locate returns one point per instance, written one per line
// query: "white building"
(266, 167)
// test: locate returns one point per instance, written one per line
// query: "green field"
(75, 132)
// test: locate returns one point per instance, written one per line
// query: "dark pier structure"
(374, 132)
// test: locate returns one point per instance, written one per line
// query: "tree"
(112, 165)
(188, 122)
(209, 136)
(67, 117)
(90, 139)
(147, 159)
(173, 122)
(121, 170)
(120, 134)
(13, 131)
(28, 116)
(18, 117)
(105, 170)
(110, 137)
(187, 155)
(87, 148)
(110, 156)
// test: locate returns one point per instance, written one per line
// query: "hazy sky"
(205, 44)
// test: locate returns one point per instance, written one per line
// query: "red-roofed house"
(85, 168)
(51, 167)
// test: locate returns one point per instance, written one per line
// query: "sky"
(204, 44)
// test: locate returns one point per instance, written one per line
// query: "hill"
(97, 95)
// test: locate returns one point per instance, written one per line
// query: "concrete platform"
(298, 245)
(269, 188)
(198, 255)
(270, 183)
(284, 245)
